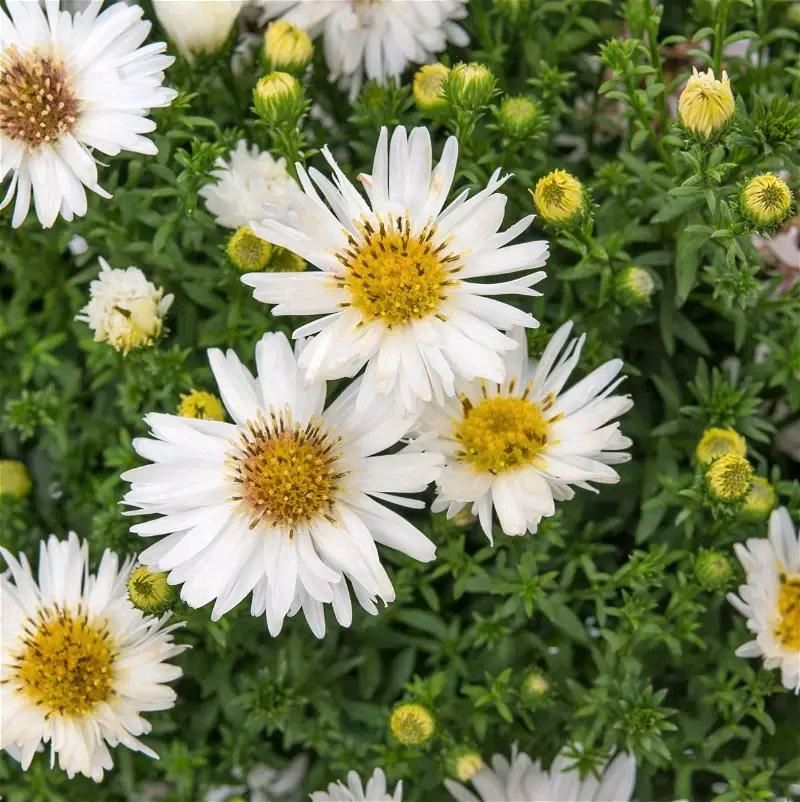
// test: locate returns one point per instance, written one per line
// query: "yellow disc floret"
(394, 276)
(287, 474)
(412, 723)
(66, 665)
(202, 405)
(501, 433)
(766, 200)
(558, 196)
(729, 477)
(788, 629)
(717, 442)
(248, 252)
(706, 104)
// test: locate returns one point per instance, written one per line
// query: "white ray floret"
(285, 501)
(770, 598)
(375, 790)
(521, 445)
(71, 85)
(399, 280)
(523, 780)
(79, 662)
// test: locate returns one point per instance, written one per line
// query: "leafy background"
(603, 600)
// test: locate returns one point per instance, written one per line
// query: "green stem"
(719, 35)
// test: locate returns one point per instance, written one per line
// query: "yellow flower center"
(706, 104)
(558, 196)
(788, 630)
(37, 104)
(202, 405)
(67, 664)
(730, 477)
(393, 276)
(247, 251)
(287, 474)
(502, 433)
(412, 723)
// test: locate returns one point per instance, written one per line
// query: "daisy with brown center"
(79, 662)
(284, 501)
(71, 85)
(399, 277)
(770, 599)
(521, 445)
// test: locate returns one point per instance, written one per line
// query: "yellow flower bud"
(287, 47)
(15, 481)
(634, 286)
(729, 477)
(202, 405)
(285, 261)
(706, 104)
(766, 200)
(412, 723)
(247, 251)
(760, 500)
(717, 442)
(469, 86)
(149, 592)
(559, 197)
(464, 763)
(279, 99)
(428, 87)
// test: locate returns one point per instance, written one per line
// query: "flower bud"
(286, 261)
(279, 99)
(634, 286)
(149, 592)
(706, 105)
(559, 198)
(287, 47)
(760, 500)
(534, 687)
(729, 477)
(469, 86)
(716, 442)
(713, 569)
(428, 87)
(202, 405)
(464, 763)
(248, 252)
(15, 481)
(765, 201)
(412, 723)
(518, 116)
(197, 28)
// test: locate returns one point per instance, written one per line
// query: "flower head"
(399, 276)
(15, 481)
(706, 104)
(201, 404)
(729, 477)
(65, 81)
(412, 723)
(770, 598)
(635, 286)
(69, 643)
(197, 28)
(521, 445)
(284, 261)
(125, 309)
(279, 99)
(248, 252)
(766, 200)
(239, 520)
(760, 500)
(375, 790)
(469, 85)
(244, 183)
(559, 197)
(428, 87)
(717, 442)
(287, 47)
(149, 591)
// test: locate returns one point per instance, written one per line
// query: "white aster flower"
(375, 790)
(523, 780)
(770, 599)
(395, 274)
(246, 183)
(376, 39)
(520, 445)
(69, 85)
(283, 501)
(125, 309)
(197, 26)
(79, 661)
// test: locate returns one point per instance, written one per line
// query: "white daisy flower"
(770, 599)
(79, 662)
(125, 309)
(396, 275)
(69, 85)
(523, 780)
(282, 502)
(520, 445)
(376, 790)
(376, 39)
(246, 183)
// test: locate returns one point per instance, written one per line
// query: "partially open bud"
(765, 201)
(559, 198)
(716, 442)
(247, 252)
(469, 86)
(279, 99)
(428, 87)
(729, 478)
(464, 763)
(706, 105)
(760, 500)
(286, 261)
(15, 481)
(412, 723)
(149, 592)
(634, 286)
(287, 47)
(201, 405)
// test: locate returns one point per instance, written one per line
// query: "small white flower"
(282, 502)
(197, 26)
(522, 445)
(375, 790)
(376, 39)
(523, 780)
(398, 282)
(246, 183)
(770, 599)
(79, 661)
(85, 85)
(125, 309)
